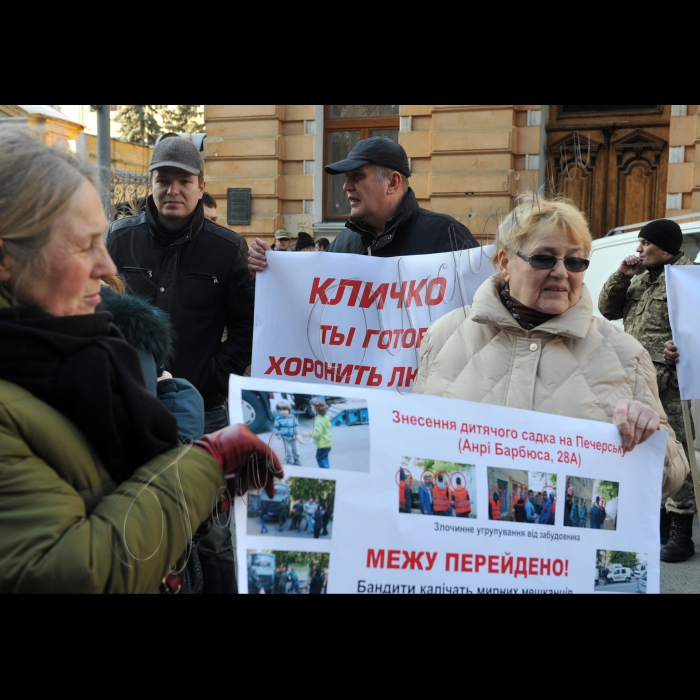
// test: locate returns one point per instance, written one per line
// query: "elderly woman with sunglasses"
(530, 340)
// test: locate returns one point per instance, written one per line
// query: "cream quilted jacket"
(574, 365)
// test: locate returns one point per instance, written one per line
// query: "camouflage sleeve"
(646, 391)
(614, 296)
(663, 376)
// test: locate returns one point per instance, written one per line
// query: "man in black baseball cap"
(375, 151)
(637, 294)
(197, 272)
(386, 219)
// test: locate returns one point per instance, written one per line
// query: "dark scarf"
(167, 236)
(82, 367)
(407, 210)
(657, 270)
(528, 318)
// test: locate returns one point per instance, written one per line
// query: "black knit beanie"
(304, 241)
(665, 234)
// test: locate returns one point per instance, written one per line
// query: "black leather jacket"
(412, 231)
(202, 281)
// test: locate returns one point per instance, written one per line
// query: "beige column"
(470, 161)
(261, 147)
(684, 161)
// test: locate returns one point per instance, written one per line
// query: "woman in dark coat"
(317, 582)
(326, 519)
(318, 521)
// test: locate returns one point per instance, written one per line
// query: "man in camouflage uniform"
(637, 293)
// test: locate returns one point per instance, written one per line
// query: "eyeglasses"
(547, 262)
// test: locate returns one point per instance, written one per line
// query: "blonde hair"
(533, 215)
(36, 185)
(116, 284)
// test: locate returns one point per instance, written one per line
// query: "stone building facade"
(622, 164)
(51, 125)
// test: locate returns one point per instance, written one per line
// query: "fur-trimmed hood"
(143, 326)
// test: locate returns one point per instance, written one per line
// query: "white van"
(609, 252)
(621, 575)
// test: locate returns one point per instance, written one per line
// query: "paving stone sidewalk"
(683, 578)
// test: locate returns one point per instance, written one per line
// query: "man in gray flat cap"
(197, 272)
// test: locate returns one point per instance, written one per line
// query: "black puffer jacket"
(413, 231)
(201, 281)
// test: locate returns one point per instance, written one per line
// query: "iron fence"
(129, 193)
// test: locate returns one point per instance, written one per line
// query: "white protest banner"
(419, 494)
(683, 288)
(352, 319)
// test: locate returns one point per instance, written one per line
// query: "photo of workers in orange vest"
(432, 487)
(460, 499)
(519, 496)
(442, 497)
(495, 505)
(519, 500)
(405, 492)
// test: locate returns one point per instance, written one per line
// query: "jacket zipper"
(202, 276)
(138, 269)
(376, 243)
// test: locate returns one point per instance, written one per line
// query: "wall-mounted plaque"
(238, 206)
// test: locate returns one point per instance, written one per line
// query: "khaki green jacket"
(643, 304)
(65, 527)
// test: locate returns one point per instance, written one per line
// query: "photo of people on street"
(517, 496)
(620, 572)
(591, 503)
(322, 432)
(442, 489)
(287, 573)
(301, 508)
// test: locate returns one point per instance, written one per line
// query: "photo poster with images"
(357, 320)
(683, 289)
(502, 521)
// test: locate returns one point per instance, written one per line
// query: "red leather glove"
(245, 459)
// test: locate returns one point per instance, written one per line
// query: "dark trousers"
(216, 419)
(322, 457)
(215, 549)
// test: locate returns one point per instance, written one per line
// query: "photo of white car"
(621, 575)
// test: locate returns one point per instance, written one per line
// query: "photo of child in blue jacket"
(287, 429)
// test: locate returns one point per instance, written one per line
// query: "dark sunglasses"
(547, 262)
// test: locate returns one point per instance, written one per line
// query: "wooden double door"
(611, 160)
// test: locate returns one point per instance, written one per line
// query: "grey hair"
(37, 184)
(385, 173)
